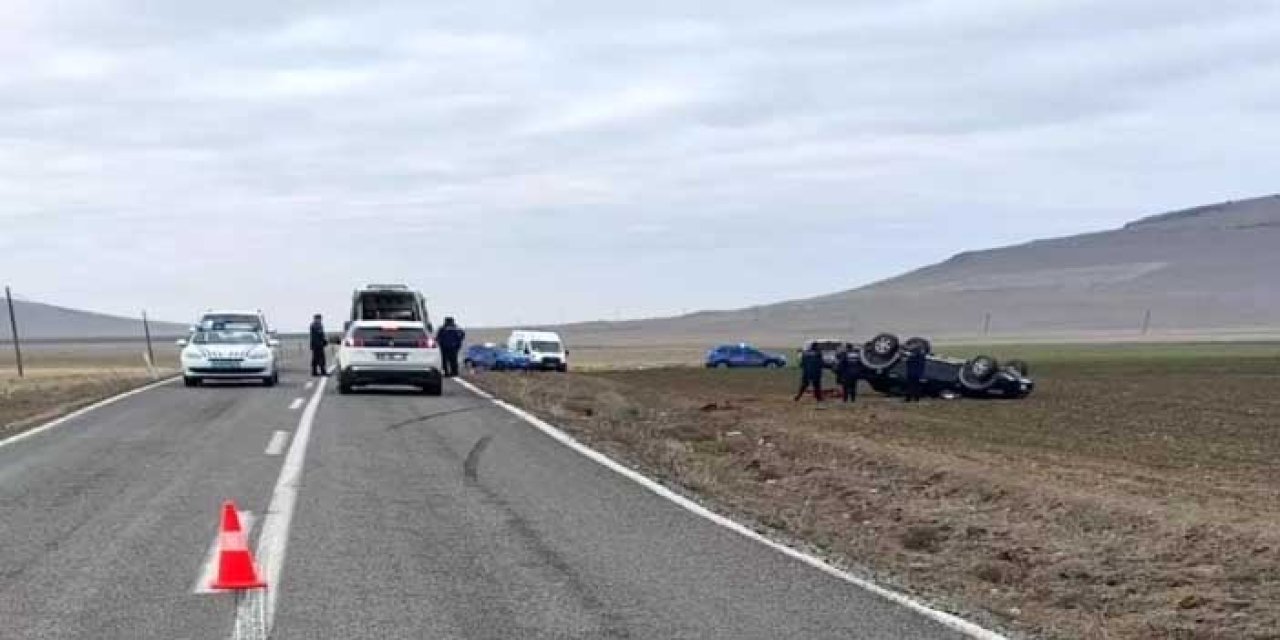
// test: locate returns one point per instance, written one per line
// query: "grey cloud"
(694, 153)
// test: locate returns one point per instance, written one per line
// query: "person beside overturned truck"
(848, 371)
(916, 358)
(811, 367)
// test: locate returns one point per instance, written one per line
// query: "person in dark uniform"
(450, 337)
(848, 371)
(811, 372)
(318, 344)
(915, 374)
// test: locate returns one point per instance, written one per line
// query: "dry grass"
(1131, 497)
(61, 377)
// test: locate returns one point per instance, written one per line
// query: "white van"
(545, 349)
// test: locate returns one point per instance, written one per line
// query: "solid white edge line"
(274, 538)
(209, 569)
(79, 412)
(297, 402)
(276, 446)
(948, 620)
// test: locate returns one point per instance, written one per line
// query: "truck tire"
(979, 372)
(881, 351)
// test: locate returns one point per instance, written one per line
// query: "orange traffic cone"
(235, 563)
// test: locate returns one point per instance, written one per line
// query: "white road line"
(276, 446)
(275, 526)
(76, 414)
(945, 619)
(209, 568)
(297, 402)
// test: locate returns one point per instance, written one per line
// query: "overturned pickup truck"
(884, 358)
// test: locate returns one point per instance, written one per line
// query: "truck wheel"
(881, 351)
(435, 389)
(978, 373)
(722, 365)
(188, 381)
(270, 381)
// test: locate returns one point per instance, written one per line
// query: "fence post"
(13, 325)
(146, 329)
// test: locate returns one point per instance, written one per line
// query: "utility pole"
(146, 329)
(986, 324)
(13, 325)
(1146, 322)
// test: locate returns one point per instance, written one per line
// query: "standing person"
(915, 374)
(811, 372)
(318, 344)
(450, 337)
(848, 370)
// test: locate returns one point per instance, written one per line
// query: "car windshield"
(545, 346)
(226, 337)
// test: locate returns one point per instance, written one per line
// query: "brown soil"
(1125, 499)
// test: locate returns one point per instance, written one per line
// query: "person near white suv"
(389, 352)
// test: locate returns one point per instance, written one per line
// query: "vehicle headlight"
(192, 355)
(260, 353)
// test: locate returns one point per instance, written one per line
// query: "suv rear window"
(378, 337)
(388, 305)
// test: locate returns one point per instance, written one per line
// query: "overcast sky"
(533, 162)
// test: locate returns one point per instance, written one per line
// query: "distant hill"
(1201, 271)
(39, 321)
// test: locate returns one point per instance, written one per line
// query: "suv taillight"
(426, 343)
(353, 342)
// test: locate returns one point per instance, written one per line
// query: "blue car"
(495, 358)
(742, 355)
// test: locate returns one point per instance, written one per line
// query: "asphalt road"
(415, 517)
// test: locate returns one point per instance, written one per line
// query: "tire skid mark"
(471, 466)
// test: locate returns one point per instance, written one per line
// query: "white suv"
(389, 352)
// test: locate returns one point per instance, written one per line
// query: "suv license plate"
(397, 357)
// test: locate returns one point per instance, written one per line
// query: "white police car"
(228, 354)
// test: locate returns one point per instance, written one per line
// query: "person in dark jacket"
(450, 337)
(318, 344)
(811, 366)
(915, 374)
(848, 371)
